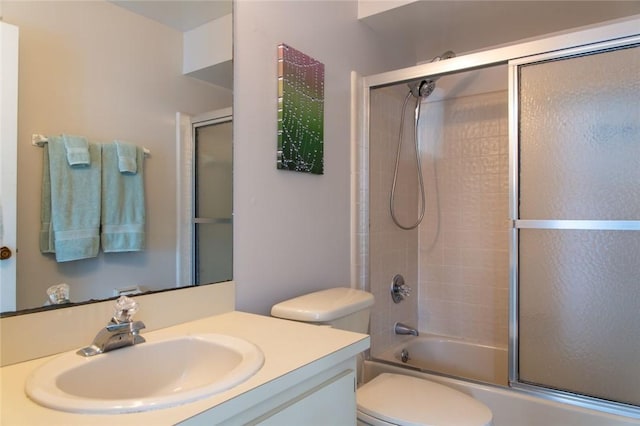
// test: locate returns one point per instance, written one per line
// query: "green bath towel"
(123, 203)
(46, 231)
(72, 203)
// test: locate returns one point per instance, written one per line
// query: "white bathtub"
(453, 357)
(512, 407)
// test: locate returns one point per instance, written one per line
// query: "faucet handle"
(58, 293)
(399, 290)
(125, 308)
(404, 290)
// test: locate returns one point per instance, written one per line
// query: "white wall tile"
(457, 261)
(464, 275)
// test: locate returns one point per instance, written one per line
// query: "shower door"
(213, 201)
(575, 179)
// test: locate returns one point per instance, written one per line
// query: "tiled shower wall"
(457, 262)
(464, 239)
(391, 250)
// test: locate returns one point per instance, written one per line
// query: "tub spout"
(400, 328)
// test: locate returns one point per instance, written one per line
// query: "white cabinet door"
(332, 403)
(8, 146)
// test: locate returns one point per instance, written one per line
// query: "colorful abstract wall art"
(300, 111)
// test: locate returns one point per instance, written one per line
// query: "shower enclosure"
(531, 169)
(205, 231)
(577, 222)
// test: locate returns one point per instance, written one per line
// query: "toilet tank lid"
(323, 306)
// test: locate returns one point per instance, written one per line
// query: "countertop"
(293, 352)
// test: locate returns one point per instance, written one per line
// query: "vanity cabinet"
(328, 398)
(308, 378)
(333, 402)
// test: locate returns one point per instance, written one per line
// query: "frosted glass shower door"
(578, 223)
(213, 221)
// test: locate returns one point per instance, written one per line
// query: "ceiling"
(431, 27)
(427, 26)
(182, 15)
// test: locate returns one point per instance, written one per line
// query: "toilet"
(388, 399)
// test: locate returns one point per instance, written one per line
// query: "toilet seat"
(402, 400)
(367, 420)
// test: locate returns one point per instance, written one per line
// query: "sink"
(147, 376)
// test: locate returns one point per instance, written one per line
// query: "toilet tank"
(342, 308)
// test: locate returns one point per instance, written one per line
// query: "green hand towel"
(77, 149)
(127, 161)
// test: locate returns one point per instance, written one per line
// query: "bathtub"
(511, 407)
(451, 357)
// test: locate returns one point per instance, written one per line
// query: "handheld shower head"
(423, 88)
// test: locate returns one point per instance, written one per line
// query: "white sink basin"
(147, 376)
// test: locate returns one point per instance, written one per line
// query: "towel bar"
(40, 140)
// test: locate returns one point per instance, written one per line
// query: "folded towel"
(77, 149)
(123, 204)
(127, 157)
(75, 203)
(46, 232)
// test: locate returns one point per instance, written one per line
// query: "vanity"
(308, 375)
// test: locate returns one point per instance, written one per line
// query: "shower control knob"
(399, 290)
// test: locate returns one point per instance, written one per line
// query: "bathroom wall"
(292, 230)
(94, 69)
(464, 239)
(391, 250)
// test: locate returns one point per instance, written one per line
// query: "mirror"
(102, 70)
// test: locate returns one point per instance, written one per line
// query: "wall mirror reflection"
(121, 71)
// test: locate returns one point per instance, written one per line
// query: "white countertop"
(293, 352)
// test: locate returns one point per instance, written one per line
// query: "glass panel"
(213, 230)
(580, 137)
(579, 306)
(214, 260)
(214, 171)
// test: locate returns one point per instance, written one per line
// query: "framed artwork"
(300, 112)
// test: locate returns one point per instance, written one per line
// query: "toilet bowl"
(388, 399)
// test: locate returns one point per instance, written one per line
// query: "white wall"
(94, 69)
(208, 52)
(292, 230)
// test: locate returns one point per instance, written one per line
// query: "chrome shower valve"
(399, 290)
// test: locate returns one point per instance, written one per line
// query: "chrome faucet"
(400, 328)
(121, 331)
